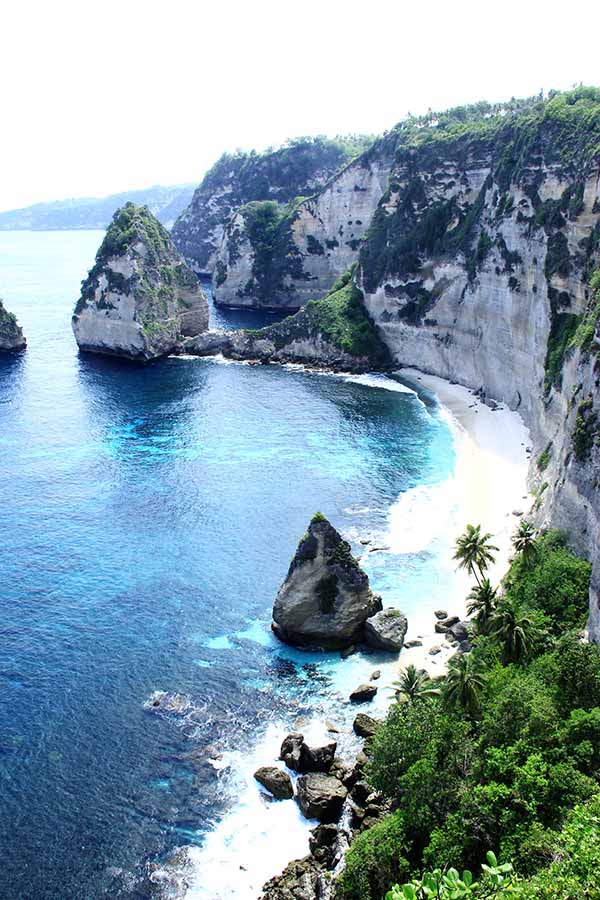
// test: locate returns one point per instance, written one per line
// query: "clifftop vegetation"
(515, 140)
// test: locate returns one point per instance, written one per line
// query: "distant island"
(167, 203)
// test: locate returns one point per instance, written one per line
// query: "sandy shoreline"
(491, 485)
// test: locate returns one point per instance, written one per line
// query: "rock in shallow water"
(386, 630)
(325, 599)
(321, 797)
(277, 782)
(298, 756)
(364, 693)
(139, 299)
(11, 333)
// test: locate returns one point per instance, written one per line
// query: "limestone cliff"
(297, 169)
(140, 299)
(478, 267)
(275, 256)
(11, 333)
(325, 599)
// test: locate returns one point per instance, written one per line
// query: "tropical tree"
(464, 683)
(514, 629)
(481, 604)
(474, 551)
(414, 684)
(524, 540)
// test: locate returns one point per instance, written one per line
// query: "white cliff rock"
(140, 299)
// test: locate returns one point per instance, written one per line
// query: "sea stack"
(140, 299)
(325, 599)
(11, 333)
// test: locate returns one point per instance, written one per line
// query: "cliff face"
(296, 170)
(140, 299)
(282, 256)
(11, 333)
(478, 267)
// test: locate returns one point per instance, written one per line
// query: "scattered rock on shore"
(321, 797)
(276, 781)
(365, 726)
(386, 630)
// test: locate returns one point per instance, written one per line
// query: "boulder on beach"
(325, 599)
(276, 781)
(364, 693)
(321, 796)
(386, 630)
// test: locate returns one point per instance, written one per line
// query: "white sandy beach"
(490, 481)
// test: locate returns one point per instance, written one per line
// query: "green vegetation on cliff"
(136, 232)
(297, 169)
(505, 758)
(340, 318)
(11, 333)
(515, 140)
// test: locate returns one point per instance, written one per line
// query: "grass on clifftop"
(340, 318)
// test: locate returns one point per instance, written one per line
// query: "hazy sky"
(99, 97)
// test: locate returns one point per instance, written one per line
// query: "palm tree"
(474, 551)
(524, 540)
(482, 604)
(414, 684)
(464, 683)
(513, 628)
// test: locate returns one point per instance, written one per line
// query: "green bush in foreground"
(375, 860)
(514, 766)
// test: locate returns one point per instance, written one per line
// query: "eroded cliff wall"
(478, 267)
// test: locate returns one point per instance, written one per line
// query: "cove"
(148, 516)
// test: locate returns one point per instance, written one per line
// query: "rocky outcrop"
(333, 333)
(365, 726)
(325, 598)
(321, 797)
(386, 630)
(11, 333)
(298, 169)
(139, 300)
(276, 781)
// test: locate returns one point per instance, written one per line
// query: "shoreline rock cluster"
(332, 791)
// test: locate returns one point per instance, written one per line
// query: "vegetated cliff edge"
(139, 300)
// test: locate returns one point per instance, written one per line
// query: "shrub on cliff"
(375, 860)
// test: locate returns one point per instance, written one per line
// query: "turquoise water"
(148, 515)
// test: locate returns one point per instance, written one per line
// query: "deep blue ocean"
(147, 518)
